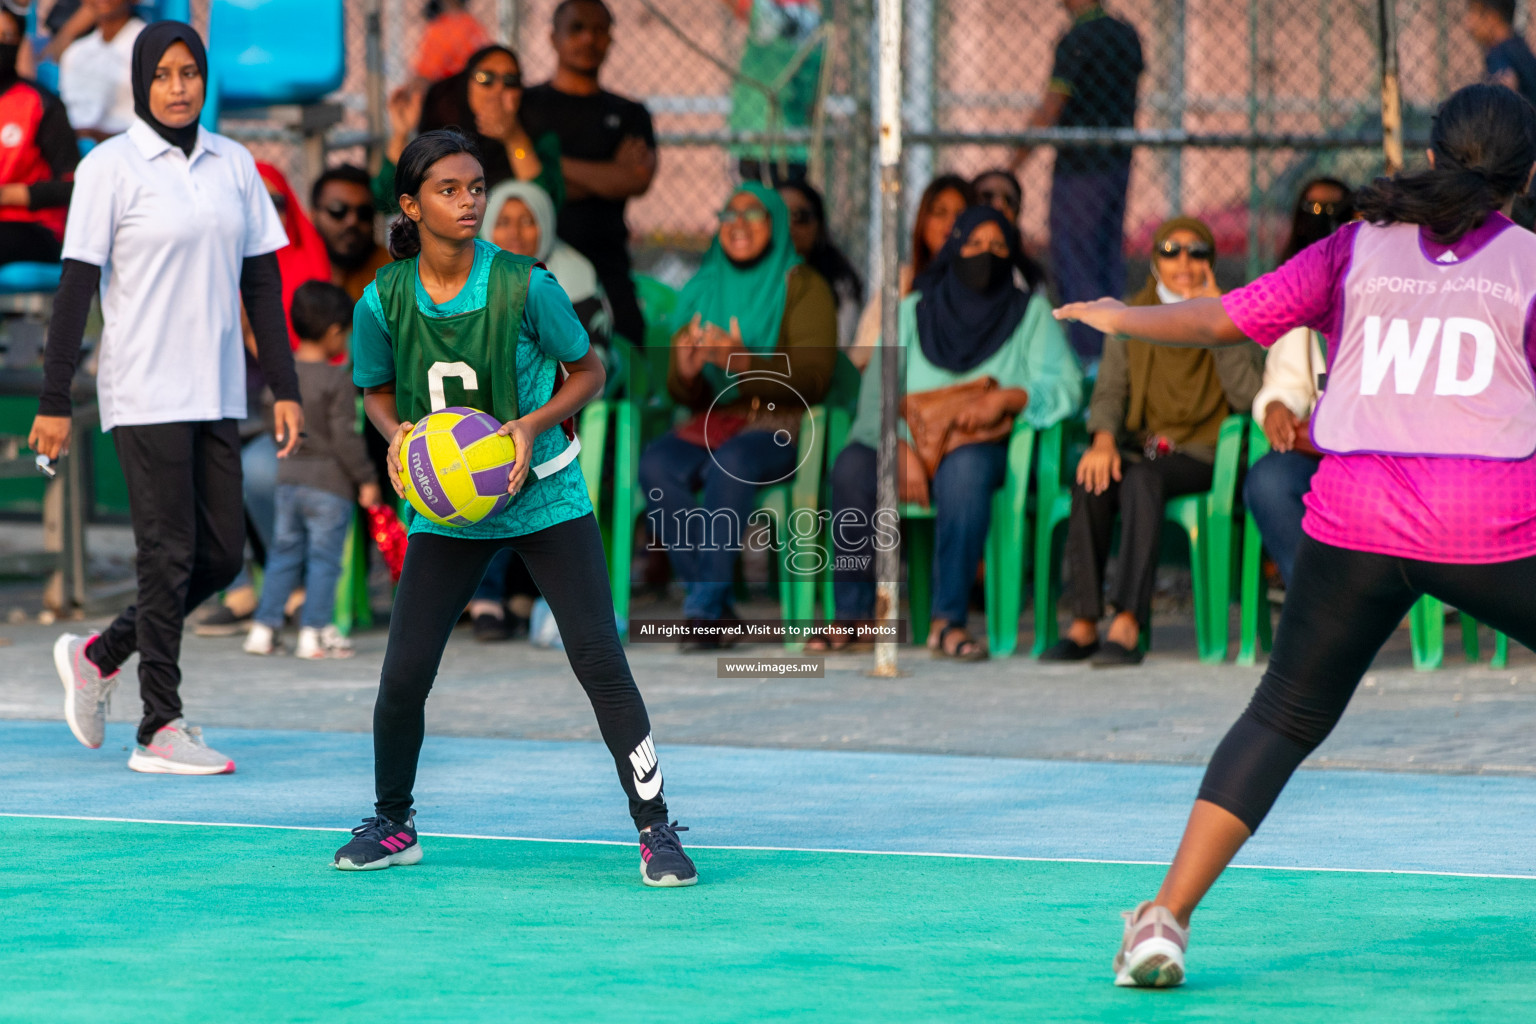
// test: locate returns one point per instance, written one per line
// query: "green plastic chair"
(1006, 555)
(1206, 520)
(1254, 629)
(1426, 635)
(799, 495)
(354, 610)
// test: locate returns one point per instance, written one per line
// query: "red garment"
(303, 258)
(447, 44)
(21, 160)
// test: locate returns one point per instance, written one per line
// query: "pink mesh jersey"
(1439, 509)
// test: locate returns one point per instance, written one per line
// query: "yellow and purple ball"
(455, 466)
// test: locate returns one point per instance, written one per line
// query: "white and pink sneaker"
(178, 749)
(1152, 950)
(87, 693)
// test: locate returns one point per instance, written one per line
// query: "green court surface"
(128, 922)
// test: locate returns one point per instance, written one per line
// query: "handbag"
(930, 417)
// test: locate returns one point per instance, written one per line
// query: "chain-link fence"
(1238, 103)
(704, 68)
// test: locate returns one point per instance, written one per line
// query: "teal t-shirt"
(550, 332)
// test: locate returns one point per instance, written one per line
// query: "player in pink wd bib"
(1428, 484)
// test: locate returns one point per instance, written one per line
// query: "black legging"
(1341, 607)
(439, 577)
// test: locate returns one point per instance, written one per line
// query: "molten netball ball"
(456, 466)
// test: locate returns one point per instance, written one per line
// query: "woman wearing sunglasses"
(484, 101)
(754, 343)
(1154, 418)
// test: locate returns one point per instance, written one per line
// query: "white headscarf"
(573, 270)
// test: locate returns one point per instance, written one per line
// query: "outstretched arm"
(1197, 323)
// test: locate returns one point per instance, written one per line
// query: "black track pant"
(1341, 607)
(439, 578)
(189, 528)
(1140, 497)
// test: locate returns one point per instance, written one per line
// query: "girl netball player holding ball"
(457, 322)
(1428, 485)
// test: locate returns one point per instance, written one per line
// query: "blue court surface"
(792, 799)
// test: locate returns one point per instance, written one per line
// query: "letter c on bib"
(1447, 382)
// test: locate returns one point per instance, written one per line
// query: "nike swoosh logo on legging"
(648, 790)
(643, 759)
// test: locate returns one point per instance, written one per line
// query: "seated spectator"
(1155, 417)
(520, 218)
(38, 154)
(484, 101)
(451, 35)
(342, 204)
(319, 484)
(304, 258)
(771, 55)
(95, 82)
(755, 343)
(1000, 189)
(1277, 483)
(945, 198)
(966, 320)
(808, 228)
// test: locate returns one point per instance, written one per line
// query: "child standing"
(316, 489)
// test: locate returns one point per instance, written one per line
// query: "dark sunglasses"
(755, 215)
(802, 217)
(1336, 211)
(1197, 251)
(989, 198)
(511, 80)
(339, 211)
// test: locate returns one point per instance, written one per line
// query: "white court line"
(787, 849)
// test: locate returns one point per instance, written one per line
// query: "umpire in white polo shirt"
(174, 226)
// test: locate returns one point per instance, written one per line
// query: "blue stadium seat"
(24, 278)
(270, 52)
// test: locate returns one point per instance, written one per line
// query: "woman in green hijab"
(753, 346)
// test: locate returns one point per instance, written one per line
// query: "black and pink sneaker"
(662, 860)
(380, 843)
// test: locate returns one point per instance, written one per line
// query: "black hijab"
(959, 324)
(148, 48)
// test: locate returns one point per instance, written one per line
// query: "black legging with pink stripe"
(439, 578)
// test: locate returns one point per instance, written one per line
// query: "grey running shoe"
(87, 694)
(178, 749)
(1152, 949)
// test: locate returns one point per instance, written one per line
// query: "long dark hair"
(921, 256)
(1310, 225)
(1484, 142)
(415, 163)
(825, 257)
(446, 104)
